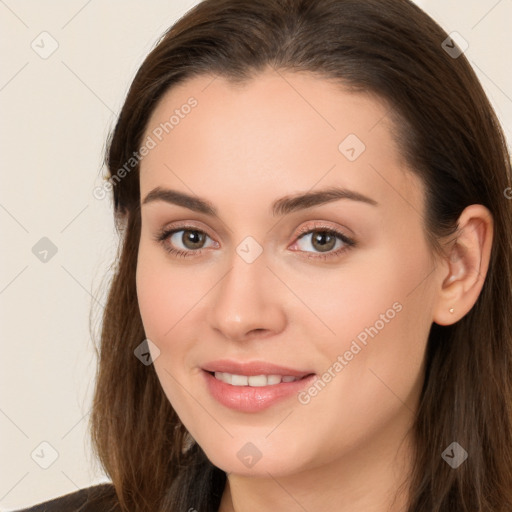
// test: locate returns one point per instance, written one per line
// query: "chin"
(256, 458)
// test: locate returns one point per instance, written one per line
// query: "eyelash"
(164, 234)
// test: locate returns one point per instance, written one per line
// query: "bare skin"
(241, 148)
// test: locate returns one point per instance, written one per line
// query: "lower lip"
(253, 399)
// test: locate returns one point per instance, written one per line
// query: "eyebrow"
(282, 206)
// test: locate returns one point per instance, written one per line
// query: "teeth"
(253, 380)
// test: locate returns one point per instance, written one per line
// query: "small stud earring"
(451, 310)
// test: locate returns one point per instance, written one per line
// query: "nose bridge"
(246, 298)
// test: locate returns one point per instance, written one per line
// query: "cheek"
(378, 312)
(161, 293)
(167, 290)
(367, 291)
(382, 327)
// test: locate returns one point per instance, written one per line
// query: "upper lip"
(253, 368)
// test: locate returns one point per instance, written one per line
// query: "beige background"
(55, 115)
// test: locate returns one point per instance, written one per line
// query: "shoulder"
(97, 498)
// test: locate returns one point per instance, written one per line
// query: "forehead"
(277, 132)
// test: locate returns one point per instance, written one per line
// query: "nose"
(247, 302)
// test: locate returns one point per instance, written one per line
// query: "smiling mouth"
(255, 380)
(257, 392)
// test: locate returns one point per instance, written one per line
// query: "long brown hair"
(450, 137)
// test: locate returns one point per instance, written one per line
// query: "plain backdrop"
(66, 68)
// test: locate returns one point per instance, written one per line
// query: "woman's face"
(341, 286)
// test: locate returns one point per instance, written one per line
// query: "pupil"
(193, 238)
(321, 238)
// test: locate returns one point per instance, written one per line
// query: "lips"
(254, 368)
(253, 398)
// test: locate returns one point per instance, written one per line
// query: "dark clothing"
(97, 498)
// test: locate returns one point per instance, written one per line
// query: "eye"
(187, 241)
(329, 242)
(184, 241)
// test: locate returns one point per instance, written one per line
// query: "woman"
(311, 308)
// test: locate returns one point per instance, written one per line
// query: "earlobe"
(466, 265)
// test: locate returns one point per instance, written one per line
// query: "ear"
(465, 265)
